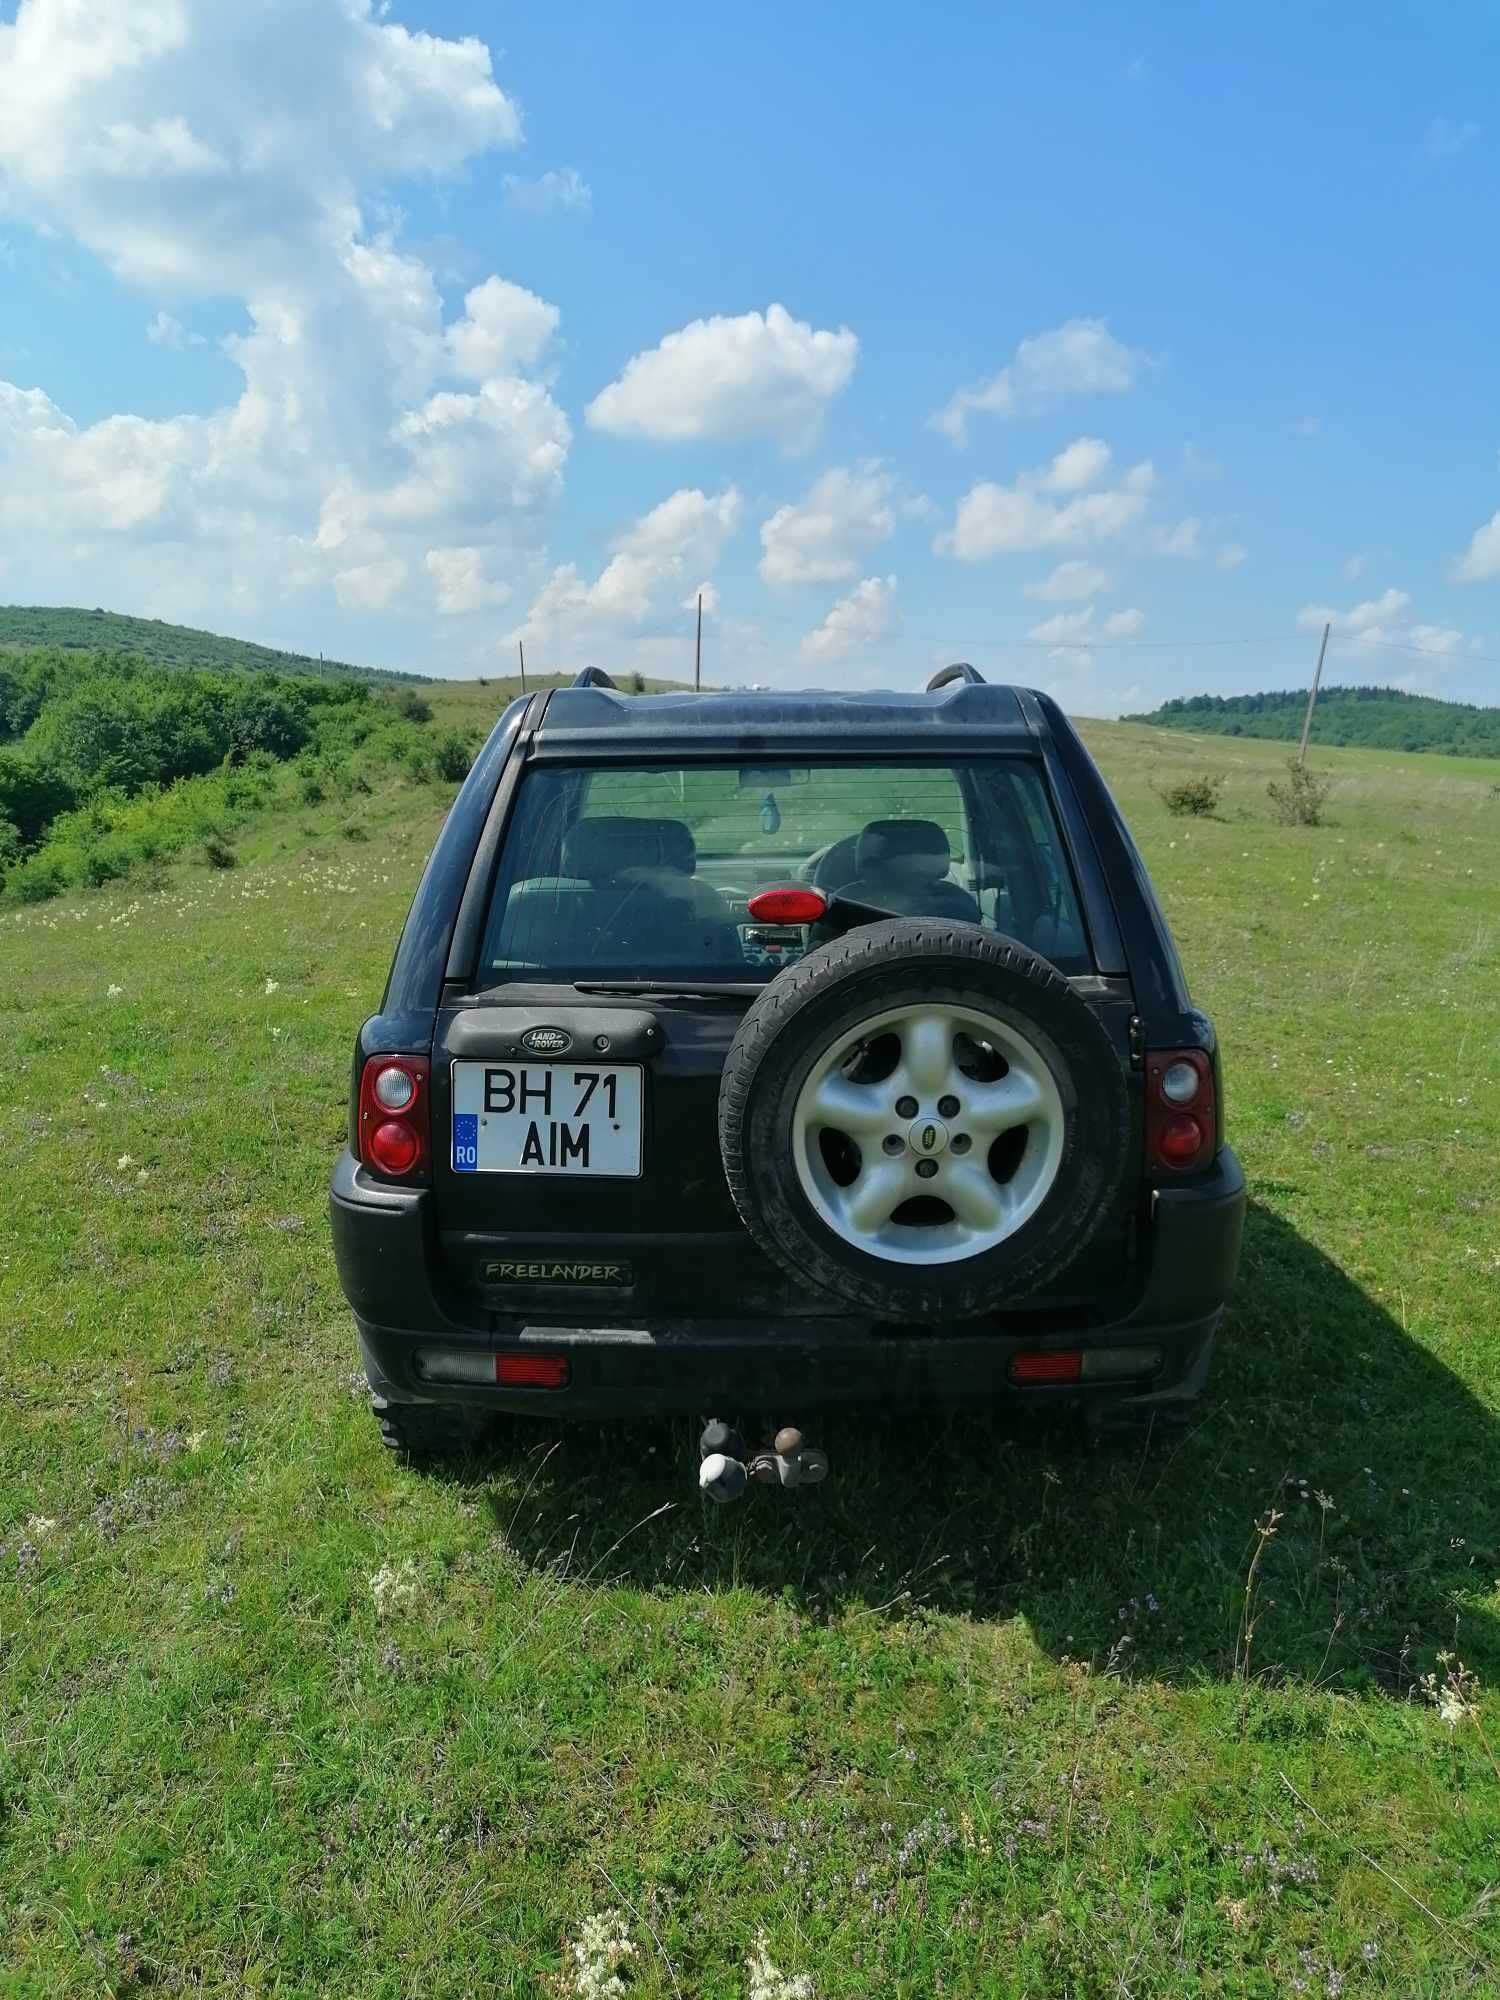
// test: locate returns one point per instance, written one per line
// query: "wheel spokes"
(927, 1055)
(875, 1196)
(995, 1107)
(974, 1198)
(850, 1107)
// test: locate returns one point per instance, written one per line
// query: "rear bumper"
(384, 1247)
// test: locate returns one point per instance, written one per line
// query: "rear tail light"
(395, 1117)
(789, 905)
(1182, 1113)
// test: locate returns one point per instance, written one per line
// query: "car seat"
(902, 864)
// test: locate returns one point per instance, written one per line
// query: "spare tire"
(924, 1119)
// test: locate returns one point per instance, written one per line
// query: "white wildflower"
(39, 1527)
(125, 1160)
(602, 1947)
(271, 986)
(1454, 1695)
(194, 1440)
(115, 992)
(395, 1589)
(767, 1982)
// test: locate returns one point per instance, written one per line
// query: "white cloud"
(459, 581)
(760, 374)
(1064, 628)
(1480, 561)
(1445, 138)
(1069, 581)
(1123, 624)
(205, 153)
(708, 593)
(560, 191)
(865, 615)
(821, 538)
(686, 533)
(994, 520)
(504, 328)
(1181, 540)
(1077, 628)
(1079, 358)
(1230, 555)
(1382, 621)
(1078, 466)
(165, 331)
(370, 586)
(1368, 624)
(1436, 639)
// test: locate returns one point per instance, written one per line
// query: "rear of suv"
(756, 1051)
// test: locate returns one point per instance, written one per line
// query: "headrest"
(603, 848)
(912, 849)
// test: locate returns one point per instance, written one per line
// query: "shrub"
(105, 864)
(217, 852)
(418, 763)
(354, 831)
(32, 794)
(36, 879)
(10, 845)
(1194, 798)
(634, 684)
(1300, 801)
(311, 788)
(451, 758)
(410, 704)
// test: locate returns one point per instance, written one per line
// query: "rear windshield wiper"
(671, 989)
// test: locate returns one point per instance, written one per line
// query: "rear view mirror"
(767, 777)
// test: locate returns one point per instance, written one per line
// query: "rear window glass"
(637, 873)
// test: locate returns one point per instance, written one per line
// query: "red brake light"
(1182, 1122)
(1057, 1365)
(532, 1371)
(790, 905)
(397, 1141)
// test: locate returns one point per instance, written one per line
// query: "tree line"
(1378, 718)
(107, 760)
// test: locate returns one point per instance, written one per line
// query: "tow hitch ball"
(726, 1468)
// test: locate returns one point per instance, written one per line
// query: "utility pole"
(698, 649)
(521, 649)
(1312, 697)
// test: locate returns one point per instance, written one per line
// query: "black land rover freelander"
(752, 1051)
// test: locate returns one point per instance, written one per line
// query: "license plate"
(547, 1118)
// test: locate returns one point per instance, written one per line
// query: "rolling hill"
(78, 631)
(1375, 718)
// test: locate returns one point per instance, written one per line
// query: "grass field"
(986, 1715)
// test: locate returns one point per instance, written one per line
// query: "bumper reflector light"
(1065, 1365)
(483, 1368)
(532, 1371)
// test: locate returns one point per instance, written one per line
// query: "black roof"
(959, 715)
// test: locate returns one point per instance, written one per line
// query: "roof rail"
(959, 671)
(594, 677)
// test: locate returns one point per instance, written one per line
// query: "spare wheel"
(924, 1120)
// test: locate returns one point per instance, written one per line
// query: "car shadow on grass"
(1358, 1465)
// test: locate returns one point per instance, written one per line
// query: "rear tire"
(822, 1004)
(419, 1433)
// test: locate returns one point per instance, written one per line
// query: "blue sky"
(1112, 348)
